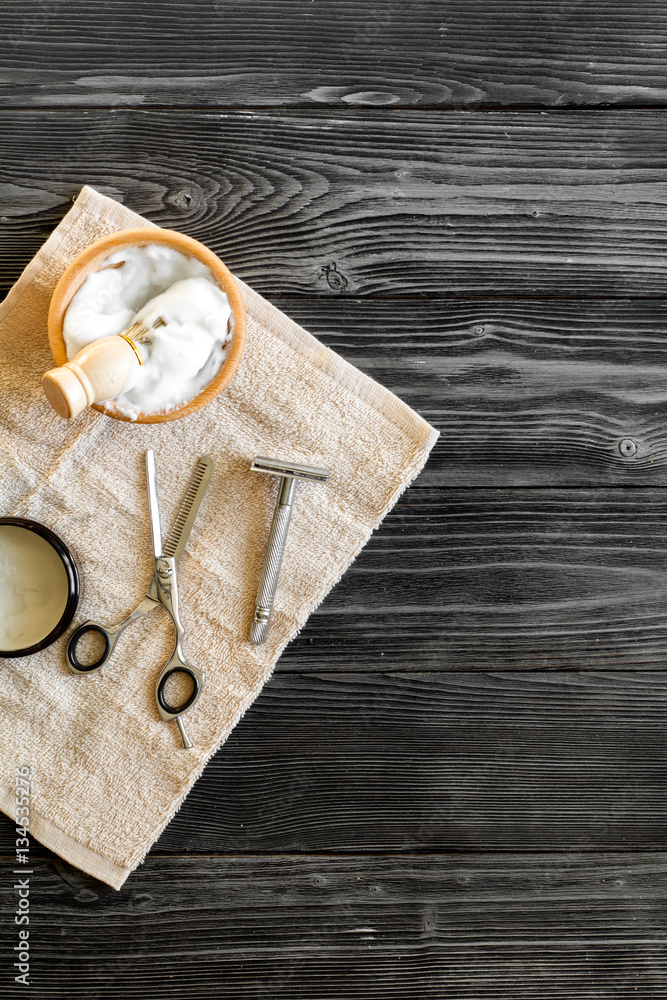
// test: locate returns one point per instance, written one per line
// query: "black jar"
(70, 584)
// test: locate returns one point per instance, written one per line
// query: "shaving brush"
(101, 370)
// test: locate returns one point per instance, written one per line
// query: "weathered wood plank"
(378, 203)
(464, 926)
(488, 580)
(433, 762)
(524, 392)
(430, 762)
(355, 52)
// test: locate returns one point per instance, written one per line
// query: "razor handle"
(268, 581)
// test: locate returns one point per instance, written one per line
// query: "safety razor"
(289, 473)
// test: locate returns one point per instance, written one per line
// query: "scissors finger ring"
(110, 635)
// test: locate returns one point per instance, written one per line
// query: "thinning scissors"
(163, 590)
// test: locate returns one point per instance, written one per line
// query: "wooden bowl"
(94, 256)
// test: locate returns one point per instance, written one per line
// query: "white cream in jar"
(34, 588)
(180, 357)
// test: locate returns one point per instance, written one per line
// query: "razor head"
(277, 467)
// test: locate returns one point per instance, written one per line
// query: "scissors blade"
(153, 507)
(179, 534)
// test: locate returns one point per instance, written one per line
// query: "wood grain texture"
(433, 762)
(351, 53)
(466, 926)
(524, 392)
(375, 204)
(418, 762)
(485, 580)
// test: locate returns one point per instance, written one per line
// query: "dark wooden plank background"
(348, 53)
(454, 784)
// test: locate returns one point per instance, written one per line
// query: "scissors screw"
(164, 572)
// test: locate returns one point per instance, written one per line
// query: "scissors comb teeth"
(179, 534)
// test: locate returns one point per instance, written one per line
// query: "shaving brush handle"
(100, 371)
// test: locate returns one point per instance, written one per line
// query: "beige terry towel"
(107, 772)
